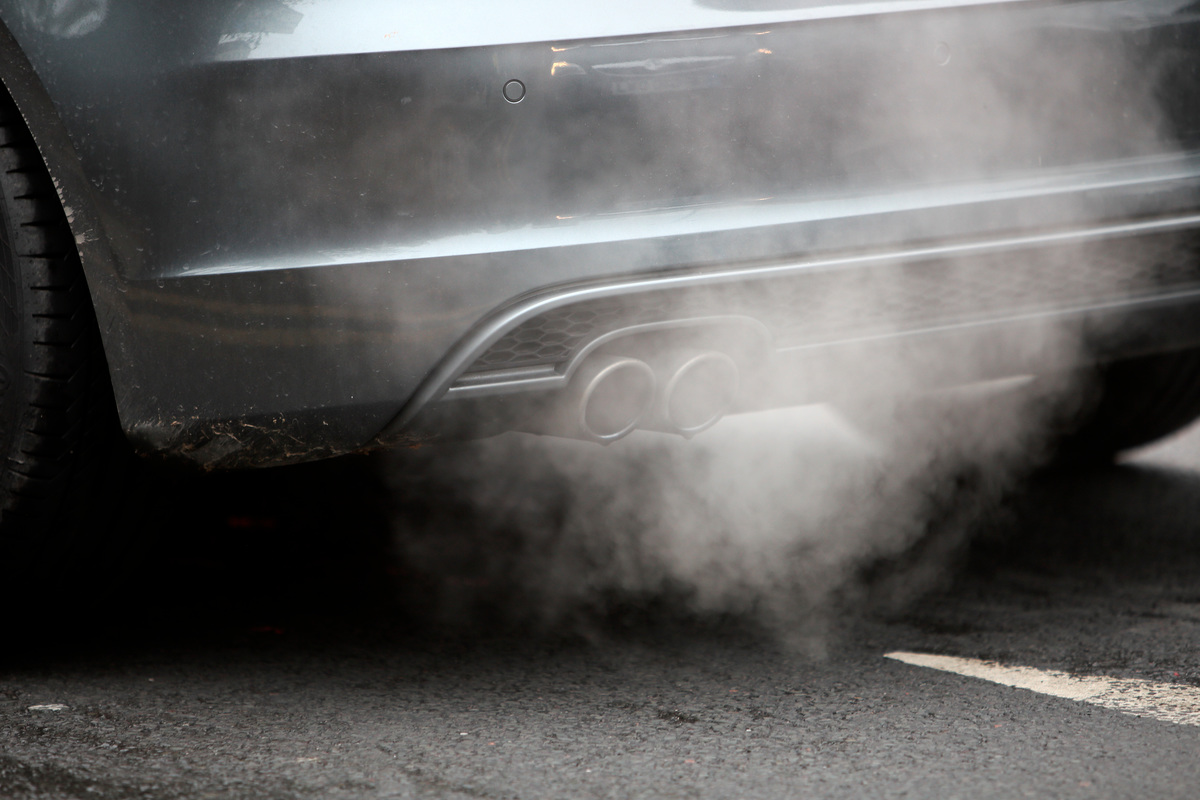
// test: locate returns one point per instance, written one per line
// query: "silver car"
(243, 233)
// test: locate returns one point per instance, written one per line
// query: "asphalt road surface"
(374, 629)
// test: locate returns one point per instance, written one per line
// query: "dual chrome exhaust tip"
(683, 392)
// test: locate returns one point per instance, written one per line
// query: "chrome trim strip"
(479, 386)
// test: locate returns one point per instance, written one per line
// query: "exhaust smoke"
(771, 517)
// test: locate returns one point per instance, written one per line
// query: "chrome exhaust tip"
(607, 398)
(614, 395)
(700, 388)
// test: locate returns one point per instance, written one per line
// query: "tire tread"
(63, 446)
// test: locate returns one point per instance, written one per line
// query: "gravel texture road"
(329, 633)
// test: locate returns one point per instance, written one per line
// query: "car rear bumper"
(301, 241)
(941, 312)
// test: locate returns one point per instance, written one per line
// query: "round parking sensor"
(514, 91)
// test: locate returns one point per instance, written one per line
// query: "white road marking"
(49, 707)
(1168, 702)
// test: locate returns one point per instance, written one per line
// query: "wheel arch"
(58, 153)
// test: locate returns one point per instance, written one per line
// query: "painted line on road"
(1168, 702)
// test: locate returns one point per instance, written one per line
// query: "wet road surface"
(280, 643)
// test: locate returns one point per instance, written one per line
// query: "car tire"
(64, 459)
(1133, 403)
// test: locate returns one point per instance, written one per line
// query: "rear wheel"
(63, 457)
(1135, 402)
(1072, 419)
